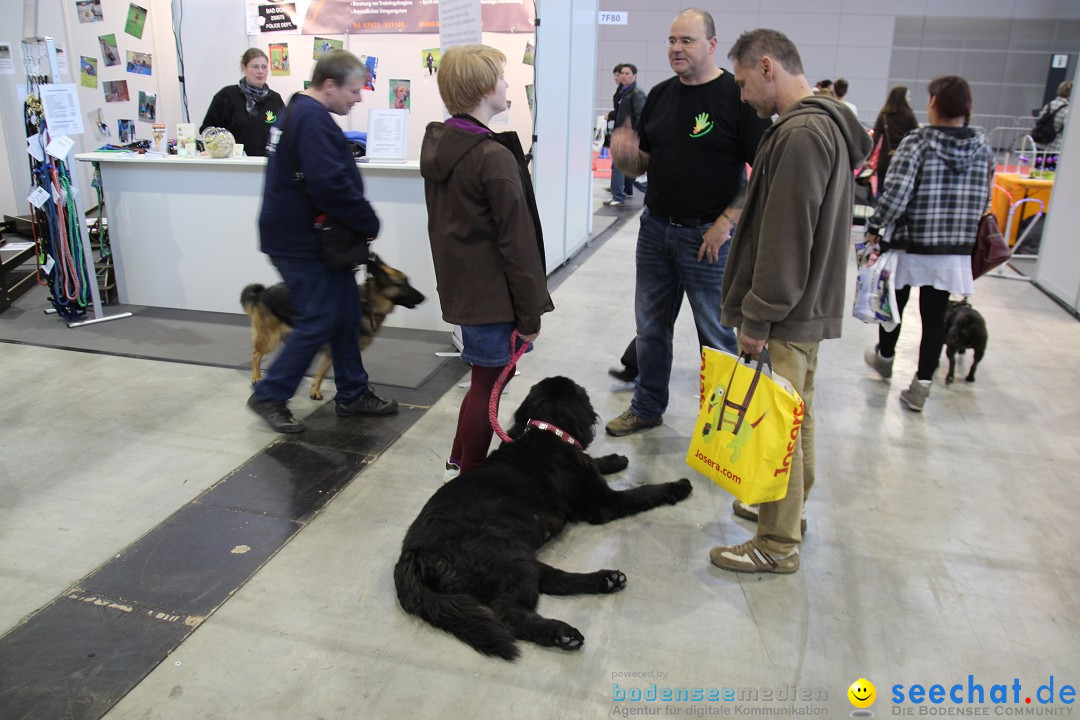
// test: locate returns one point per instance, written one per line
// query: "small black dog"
(964, 328)
(468, 562)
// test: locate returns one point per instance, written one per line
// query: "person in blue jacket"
(310, 172)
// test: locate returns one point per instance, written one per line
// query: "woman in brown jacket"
(485, 234)
(895, 120)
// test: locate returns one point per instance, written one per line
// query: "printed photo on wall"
(530, 95)
(109, 53)
(399, 94)
(372, 64)
(279, 59)
(136, 20)
(125, 131)
(530, 54)
(324, 45)
(89, 11)
(97, 121)
(88, 71)
(147, 106)
(429, 60)
(139, 63)
(115, 91)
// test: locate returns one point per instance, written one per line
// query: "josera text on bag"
(747, 428)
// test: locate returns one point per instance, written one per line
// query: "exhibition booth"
(184, 230)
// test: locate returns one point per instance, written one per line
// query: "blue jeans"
(667, 267)
(326, 310)
(621, 186)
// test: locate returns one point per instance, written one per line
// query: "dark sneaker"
(628, 423)
(276, 415)
(368, 404)
(749, 558)
(626, 375)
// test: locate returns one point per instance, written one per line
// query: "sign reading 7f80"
(609, 17)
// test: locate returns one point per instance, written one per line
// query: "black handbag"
(341, 247)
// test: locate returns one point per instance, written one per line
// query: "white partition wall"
(562, 161)
(1058, 271)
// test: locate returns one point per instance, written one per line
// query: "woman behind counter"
(248, 108)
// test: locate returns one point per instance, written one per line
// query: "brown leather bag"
(991, 249)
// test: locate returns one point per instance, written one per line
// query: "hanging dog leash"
(493, 403)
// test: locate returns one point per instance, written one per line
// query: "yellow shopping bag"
(746, 430)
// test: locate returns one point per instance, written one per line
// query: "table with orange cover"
(1010, 188)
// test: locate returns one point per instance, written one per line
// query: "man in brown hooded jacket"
(786, 272)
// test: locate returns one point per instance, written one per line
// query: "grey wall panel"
(988, 34)
(860, 31)
(934, 63)
(945, 33)
(982, 67)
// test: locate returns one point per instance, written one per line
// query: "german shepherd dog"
(271, 312)
(964, 328)
(468, 562)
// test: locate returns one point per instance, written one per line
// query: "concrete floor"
(938, 544)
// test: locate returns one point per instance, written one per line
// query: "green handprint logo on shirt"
(702, 125)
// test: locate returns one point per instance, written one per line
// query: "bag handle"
(742, 408)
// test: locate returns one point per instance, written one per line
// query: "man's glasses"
(684, 41)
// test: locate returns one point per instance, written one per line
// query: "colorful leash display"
(56, 227)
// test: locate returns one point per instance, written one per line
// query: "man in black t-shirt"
(694, 138)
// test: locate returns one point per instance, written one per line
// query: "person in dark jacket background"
(895, 120)
(629, 101)
(484, 229)
(248, 108)
(326, 304)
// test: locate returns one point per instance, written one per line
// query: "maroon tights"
(474, 428)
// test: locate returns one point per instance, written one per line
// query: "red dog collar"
(558, 432)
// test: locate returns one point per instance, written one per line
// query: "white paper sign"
(38, 197)
(61, 105)
(1060, 61)
(33, 147)
(60, 146)
(459, 23)
(386, 134)
(7, 63)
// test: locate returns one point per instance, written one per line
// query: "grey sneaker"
(750, 512)
(914, 398)
(749, 558)
(874, 359)
(276, 415)
(367, 404)
(628, 423)
(613, 203)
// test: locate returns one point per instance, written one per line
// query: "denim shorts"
(487, 345)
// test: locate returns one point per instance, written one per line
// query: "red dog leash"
(493, 403)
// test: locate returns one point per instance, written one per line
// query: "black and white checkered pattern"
(936, 190)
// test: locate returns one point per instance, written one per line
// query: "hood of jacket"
(443, 148)
(858, 141)
(957, 147)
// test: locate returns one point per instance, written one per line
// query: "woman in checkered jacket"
(936, 190)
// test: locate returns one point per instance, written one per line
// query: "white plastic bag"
(875, 291)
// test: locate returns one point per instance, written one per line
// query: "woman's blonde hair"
(466, 74)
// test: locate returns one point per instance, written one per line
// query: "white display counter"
(184, 232)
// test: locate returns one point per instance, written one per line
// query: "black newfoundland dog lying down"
(468, 562)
